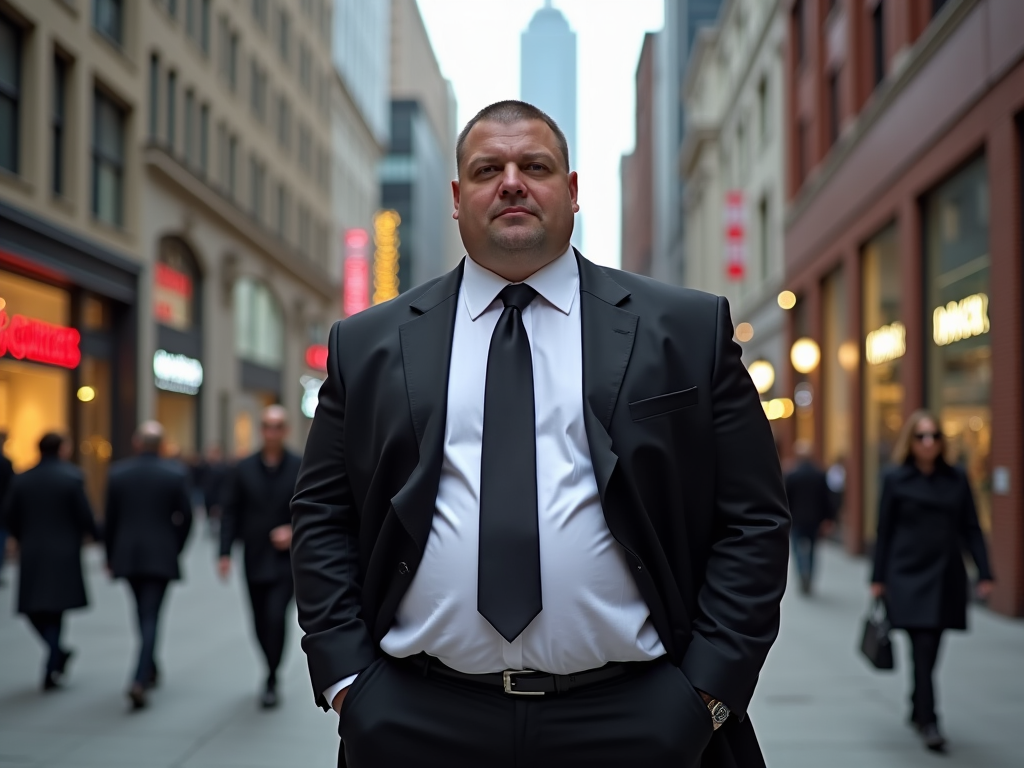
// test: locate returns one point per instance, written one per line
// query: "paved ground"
(817, 705)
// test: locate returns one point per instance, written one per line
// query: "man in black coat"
(540, 518)
(6, 475)
(256, 511)
(148, 518)
(47, 512)
(813, 509)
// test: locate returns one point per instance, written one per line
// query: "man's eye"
(486, 169)
(535, 167)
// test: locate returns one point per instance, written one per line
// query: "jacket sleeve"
(10, 509)
(883, 536)
(970, 532)
(229, 509)
(83, 513)
(183, 507)
(325, 545)
(110, 518)
(737, 616)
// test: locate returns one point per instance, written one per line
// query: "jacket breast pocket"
(663, 404)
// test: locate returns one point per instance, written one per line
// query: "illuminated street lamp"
(762, 373)
(787, 299)
(805, 355)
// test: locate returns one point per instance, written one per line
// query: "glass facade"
(839, 356)
(959, 351)
(259, 324)
(884, 344)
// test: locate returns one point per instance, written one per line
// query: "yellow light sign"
(960, 320)
(805, 355)
(762, 373)
(787, 299)
(385, 257)
(887, 343)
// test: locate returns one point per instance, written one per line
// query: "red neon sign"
(28, 339)
(173, 280)
(316, 357)
(355, 295)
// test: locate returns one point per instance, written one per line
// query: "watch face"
(720, 713)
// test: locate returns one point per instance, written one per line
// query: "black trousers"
(270, 618)
(48, 626)
(149, 598)
(394, 715)
(925, 650)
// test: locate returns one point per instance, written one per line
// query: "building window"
(259, 324)
(283, 35)
(10, 94)
(108, 161)
(284, 120)
(763, 228)
(282, 211)
(233, 62)
(257, 181)
(172, 113)
(959, 348)
(190, 121)
(259, 90)
(305, 68)
(204, 138)
(305, 149)
(197, 22)
(108, 19)
(154, 96)
(60, 90)
(260, 12)
(833, 107)
(878, 40)
(762, 109)
(232, 168)
(797, 36)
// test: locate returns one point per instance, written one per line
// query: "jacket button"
(403, 569)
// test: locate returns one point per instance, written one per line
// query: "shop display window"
(959, 351)
(176, 283)
(884, 345)
(839, 358)
(259, 324)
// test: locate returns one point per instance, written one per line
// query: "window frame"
(115, 36)
(13, 95)
(100, 158)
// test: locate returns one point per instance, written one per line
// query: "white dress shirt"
(592, 610)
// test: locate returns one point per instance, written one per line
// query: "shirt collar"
(556, 282)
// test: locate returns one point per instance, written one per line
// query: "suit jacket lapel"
(426, 342)
(608, 334)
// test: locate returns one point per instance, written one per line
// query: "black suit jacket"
(6, 476)
(254, 504)
(686, 467)
(148, 517)
(47, 511)
(810, 499)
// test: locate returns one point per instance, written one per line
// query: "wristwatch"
(719, 712)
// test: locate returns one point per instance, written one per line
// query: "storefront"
(67, 330)
(259, 343)
(178, 358)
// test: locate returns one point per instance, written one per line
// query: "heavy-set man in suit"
(256, 510)
(813, 508)
(148, 518)
(47, 512)
(540, 519)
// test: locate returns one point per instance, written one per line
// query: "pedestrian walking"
(926, 519)
(540, 518)
(213, 476)
(811, 504)
(47, 512)
(256, 511)
(148, 517)
(6, 475)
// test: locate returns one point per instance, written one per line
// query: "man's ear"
(455, 199)
(574, 191)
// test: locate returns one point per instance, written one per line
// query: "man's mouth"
(516, 209)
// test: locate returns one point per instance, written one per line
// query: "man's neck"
(516, 266)
(272, 456)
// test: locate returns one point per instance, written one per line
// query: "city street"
(818, 704)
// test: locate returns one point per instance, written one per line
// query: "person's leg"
(3, 552)
(258, 598)
(653, 717)
(278, 597)
(149, 597)
(47, 626)
(802, 556)
(925, 652)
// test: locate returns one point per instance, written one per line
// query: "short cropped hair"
(506, 113)
(50, 444)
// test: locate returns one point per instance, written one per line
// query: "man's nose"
(512, 182)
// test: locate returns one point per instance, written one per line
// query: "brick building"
(903, 244)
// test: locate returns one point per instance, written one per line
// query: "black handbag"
(875, 643)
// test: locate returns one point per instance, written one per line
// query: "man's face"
(273, 429)
(515, 199)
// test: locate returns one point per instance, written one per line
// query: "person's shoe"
(269, 699)
(932, 737)
(51, 681)
(805, 585)
(154, 678)
(65, 657)
(137, 696)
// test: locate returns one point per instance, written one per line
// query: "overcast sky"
(477, 45)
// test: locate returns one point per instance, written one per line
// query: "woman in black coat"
(48, 513)
(925, 522)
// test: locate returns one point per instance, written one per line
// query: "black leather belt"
(526, 682)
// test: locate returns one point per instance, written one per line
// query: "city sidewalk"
(818, 704)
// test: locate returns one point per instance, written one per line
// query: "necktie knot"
(519, 296)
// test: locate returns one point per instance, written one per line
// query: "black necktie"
(509, 570)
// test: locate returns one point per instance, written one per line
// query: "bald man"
(148, 517)
(256, 511)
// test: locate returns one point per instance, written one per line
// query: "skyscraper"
(548, 76)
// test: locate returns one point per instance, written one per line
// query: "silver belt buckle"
(506, 677)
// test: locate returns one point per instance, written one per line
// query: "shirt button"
(403, 568)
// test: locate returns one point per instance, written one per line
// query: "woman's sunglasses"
(923, 435)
